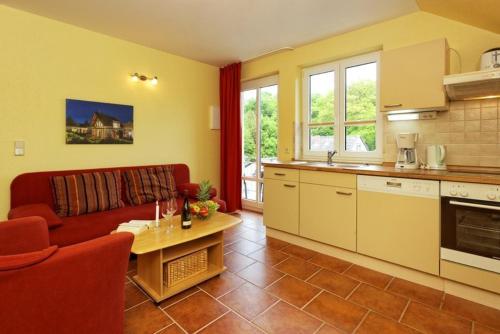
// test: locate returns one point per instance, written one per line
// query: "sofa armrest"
(18, 261)
(192, 189)
(23, 235)
(41, 210)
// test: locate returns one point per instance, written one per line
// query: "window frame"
(340, 123)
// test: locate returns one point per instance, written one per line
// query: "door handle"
(289, 185)
(343, 193)
(474, 205)
(393, 105)
(279, 174)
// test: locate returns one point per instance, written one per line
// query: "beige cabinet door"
(328, 215)
(281, 205)
(412, 77)
(399, 229)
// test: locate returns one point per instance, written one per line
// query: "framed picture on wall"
(90, 122)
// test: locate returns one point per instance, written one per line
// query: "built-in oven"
(470, 224)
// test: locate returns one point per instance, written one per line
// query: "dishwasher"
(398, 221)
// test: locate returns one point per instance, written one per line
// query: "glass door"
(259, 112)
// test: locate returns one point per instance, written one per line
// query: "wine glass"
(168, 209)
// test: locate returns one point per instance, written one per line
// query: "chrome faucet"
(329, 160)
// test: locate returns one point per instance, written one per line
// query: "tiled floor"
(274, 287)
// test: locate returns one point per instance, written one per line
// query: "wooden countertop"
(480, 175)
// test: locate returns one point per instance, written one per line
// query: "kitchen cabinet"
(281, 204)
(483, 279)
(328, 215)
(412, 77)
(328, 208)
(398, 221)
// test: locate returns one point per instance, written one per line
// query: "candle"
(157, 214)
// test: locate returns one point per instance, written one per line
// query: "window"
(259, 113)
(340, 110)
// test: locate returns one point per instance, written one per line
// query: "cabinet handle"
(279, 174)
(343, 193)
(393, 184)
(289, 185)
(392, 105)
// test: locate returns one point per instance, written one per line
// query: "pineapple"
(204, 208)
(204, 191)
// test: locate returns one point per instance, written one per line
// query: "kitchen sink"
(298, 162)
(336, 165)
(349, 165)
(324, 164)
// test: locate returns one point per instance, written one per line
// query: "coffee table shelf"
(175, 252)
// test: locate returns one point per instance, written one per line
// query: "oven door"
(470, 232)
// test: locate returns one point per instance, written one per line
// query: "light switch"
(19, 147)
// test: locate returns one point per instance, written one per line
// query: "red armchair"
(74, 289)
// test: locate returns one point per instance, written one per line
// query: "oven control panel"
(483, 192)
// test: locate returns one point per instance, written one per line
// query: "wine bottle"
(186, 212)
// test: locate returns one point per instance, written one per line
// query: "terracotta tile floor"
(273, 287)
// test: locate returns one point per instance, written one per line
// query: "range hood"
(473, 85)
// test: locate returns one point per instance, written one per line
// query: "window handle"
(393, 105)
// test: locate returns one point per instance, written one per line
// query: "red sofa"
(31, 195)
(45, 289)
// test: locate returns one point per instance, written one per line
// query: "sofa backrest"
(34, 187)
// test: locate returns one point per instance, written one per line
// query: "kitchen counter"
(462, 175)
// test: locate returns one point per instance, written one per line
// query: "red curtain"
(230, 136)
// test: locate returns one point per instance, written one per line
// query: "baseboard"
(458, 289)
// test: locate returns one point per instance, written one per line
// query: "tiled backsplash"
(470, 131)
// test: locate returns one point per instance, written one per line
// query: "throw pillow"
(146, 185)
(80, 194)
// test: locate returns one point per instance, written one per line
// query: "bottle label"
(186, 223)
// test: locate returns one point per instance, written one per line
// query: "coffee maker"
(407, 151)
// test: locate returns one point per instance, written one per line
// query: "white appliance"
(398, 221)
(473, 85)
(435, 157)
(407, 151)
(470, 224)
(490, 59)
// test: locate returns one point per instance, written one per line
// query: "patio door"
(259, 114)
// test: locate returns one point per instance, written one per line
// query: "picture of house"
(98, 123)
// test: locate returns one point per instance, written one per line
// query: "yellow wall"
(43, 62)
(469, 41)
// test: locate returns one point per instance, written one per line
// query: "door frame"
(256, 84)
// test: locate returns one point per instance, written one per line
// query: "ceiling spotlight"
(154, 81)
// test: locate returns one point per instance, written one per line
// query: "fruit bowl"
(203, 209)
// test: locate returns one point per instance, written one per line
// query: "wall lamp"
(141, 77)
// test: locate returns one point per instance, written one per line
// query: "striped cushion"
(147, 185)
(80, 194)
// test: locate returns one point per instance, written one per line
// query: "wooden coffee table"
(156, 247)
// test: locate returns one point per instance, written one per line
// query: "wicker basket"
(185, 267)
